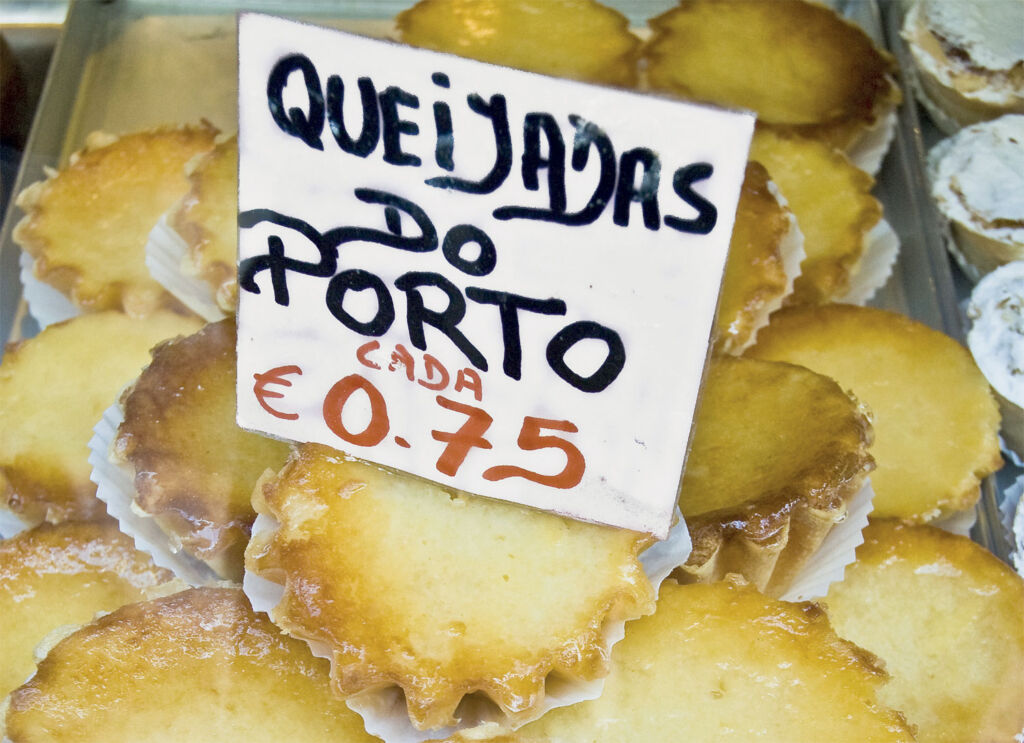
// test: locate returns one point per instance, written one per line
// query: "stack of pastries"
(211, 582)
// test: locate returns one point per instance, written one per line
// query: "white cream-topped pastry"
(969, 58)
(977, 180)
(996, 340)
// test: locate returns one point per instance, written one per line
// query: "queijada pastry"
(996, 340)
(52, 576)
(968, 57)
(765, 253)
(86, 225)
(934, 417)
(450, 598)
(192, 466)
(977, 181)
(722, 662)
(193, 666)
(804, 69)
(205, 221)
(947, 617)
(529, 35)
(53, 389)
(778, 454)
(834, 208)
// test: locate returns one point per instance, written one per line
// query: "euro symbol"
(274, 376)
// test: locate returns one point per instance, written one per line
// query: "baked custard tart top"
(722, 662)
(934, 416)
(778, 454)
(53, 389)
(577, 39)
(443, 594)
(756, 277)
(207, 220)
(87, 224)
(834, 209)
(799, 65)
(196, 665)
(947, 616)
(194, 467)
(52, 576)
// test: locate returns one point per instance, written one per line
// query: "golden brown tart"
(934, 416)
(194, 468)
(764, 257)
(578, 39)
(53, 389)
(721, 662)
(196, 665)
(799, 65)
(834, 209)
(948, 619)
(206, 219)
(405, 583)
(56, 575)
(778, 454)
(86, 225)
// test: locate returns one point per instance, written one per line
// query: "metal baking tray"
(122, 65)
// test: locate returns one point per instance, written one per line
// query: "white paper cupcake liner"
(384, 711)
(165, 253)
(1011, 512)
(838, 550)
(868, 152)
(46, 305)
(115, 486)
(881, 248)
(791, 249)
(11, 524)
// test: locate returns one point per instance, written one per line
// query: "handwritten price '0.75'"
(457, 443)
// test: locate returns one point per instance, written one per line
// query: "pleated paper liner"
(46, 305)
(384, 710)
(881, 248)
(166, 252)
(115, 486)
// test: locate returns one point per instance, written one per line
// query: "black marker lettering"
(444, 149)
(395, 126)
(358, 280)
(447, 320)
(369, 133)
(462, 234)
(508, 307)
(306, 125)
(707, 214)
(497, 112)
(572, 334)
(626, 192)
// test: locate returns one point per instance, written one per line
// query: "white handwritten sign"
(489, 278)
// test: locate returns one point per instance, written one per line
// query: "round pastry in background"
(53, 390)
(968, 58)
(936, 422)
(720, 661)
(195, 665)
(765, 253)
(576, 39)
(834, 208)
(404, 583)
(803, 68)
(996, 340)
(947, 617)
(778, 454)
(87, 224)
(206, 219)
(977, 180)
(52, 576)
(193, 468)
